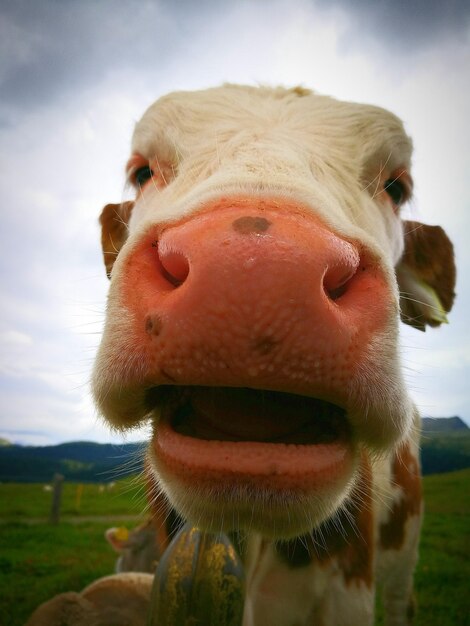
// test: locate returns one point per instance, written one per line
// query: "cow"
(257, 281)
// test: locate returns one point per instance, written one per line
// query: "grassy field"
(38, 560)
(443, 574)
(32, 501)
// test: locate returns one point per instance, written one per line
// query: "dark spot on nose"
(247, 224)
(264, 345)
(153, 325)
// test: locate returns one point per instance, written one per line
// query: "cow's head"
(255, 300)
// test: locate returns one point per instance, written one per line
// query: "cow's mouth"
(240, 436)
(244, 415)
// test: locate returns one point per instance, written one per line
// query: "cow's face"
(254, 305)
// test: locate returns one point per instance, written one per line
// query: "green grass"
(443, 573)
(22, 501)
(38, 561)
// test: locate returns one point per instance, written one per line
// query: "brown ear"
(114, 219)
(426, 275)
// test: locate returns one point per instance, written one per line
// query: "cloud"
(50, 47)
(402, 26)
(14, 338)
(61, 43)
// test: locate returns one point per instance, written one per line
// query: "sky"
(75, 76)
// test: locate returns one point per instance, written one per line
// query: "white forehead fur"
(327, 154)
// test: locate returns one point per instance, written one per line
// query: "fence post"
(78, 496)
(56, 498)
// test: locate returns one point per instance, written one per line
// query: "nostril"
(174, 265)
(336, 288)
(338, 277)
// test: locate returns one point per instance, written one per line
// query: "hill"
(445, 447)
(84, 461)
(435, 425)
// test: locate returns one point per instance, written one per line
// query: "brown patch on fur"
(348, 539)
(114, 219)
(406, 475)
(429, 255)
(164, 517)
(247, 224)
(351, 539)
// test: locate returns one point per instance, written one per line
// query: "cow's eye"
(142, 175)
(396, 190)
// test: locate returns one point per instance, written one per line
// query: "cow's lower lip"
(232, 437)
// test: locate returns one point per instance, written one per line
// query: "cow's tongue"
(230, 414)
